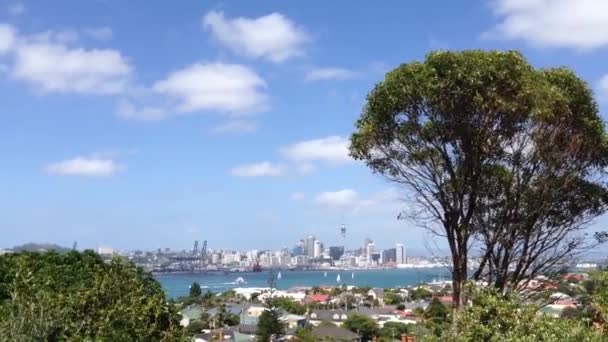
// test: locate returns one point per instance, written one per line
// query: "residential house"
(316, 317)
(189, 313)
(377, 294)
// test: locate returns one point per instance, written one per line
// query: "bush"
(77, 296)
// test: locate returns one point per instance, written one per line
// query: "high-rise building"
(309, 246)
(369, 249)
(336, 252)
(400, 254)
(389, 256)
(317, 249)
(366, 242)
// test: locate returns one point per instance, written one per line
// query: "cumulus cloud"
(53, 67)
(221, 87)
(48, 62)
(332, 150)
(339, 198)
(235, 126)
(85, 166)
(581, 24)
(273, 37)
(263, 169)
(352, 201)
(323, 74)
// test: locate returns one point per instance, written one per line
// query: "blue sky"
(146, 124)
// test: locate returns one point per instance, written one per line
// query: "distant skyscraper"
(366, 242)
(309, 246)
(317, 249)
(389, 256)
(400, 253)
(369, 249)
(336, 252)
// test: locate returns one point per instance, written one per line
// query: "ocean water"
(178, 284)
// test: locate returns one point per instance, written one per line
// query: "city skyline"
(139, 126)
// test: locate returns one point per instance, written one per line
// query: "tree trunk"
(459, 279)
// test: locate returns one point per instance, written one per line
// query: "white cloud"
(322, 74)
(297, 196)
(127, 110)
(85, 166)
(340, 198)
(7, 38)
(332, 150)
(262, 169)
(235, 126)
(220, 87)
(100, 33)
(581, 24)
(48, 62)
(16, 8)
(350, 200)
(57, 68)
(273, 37)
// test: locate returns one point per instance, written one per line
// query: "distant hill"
(40, 247)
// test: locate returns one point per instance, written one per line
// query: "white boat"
(352, 275)
(279, 276)
(338, 278)
(240, 281)
(325, 274)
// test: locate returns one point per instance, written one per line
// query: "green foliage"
(225, 318)
(436, 316)
(420, 293)
(494, 318)
(195, 290)
(393, 330)
(392, 298)
(269, 325)
(196, 326)
(401, 307)
(77, 296)
(363, 325)
(305, 335)
(418, 311)
(289, 305)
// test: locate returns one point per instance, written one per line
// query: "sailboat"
(279, 276)
(352, 275)
(338, 278)
(325, 274)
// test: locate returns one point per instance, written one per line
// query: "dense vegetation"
(77, 296)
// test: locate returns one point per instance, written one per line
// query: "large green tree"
(77, 296)
(453, 132)
(269, 325)
(362, 325)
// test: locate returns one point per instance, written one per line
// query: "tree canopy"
(77, 296)
(490, 150)
(362, 325)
